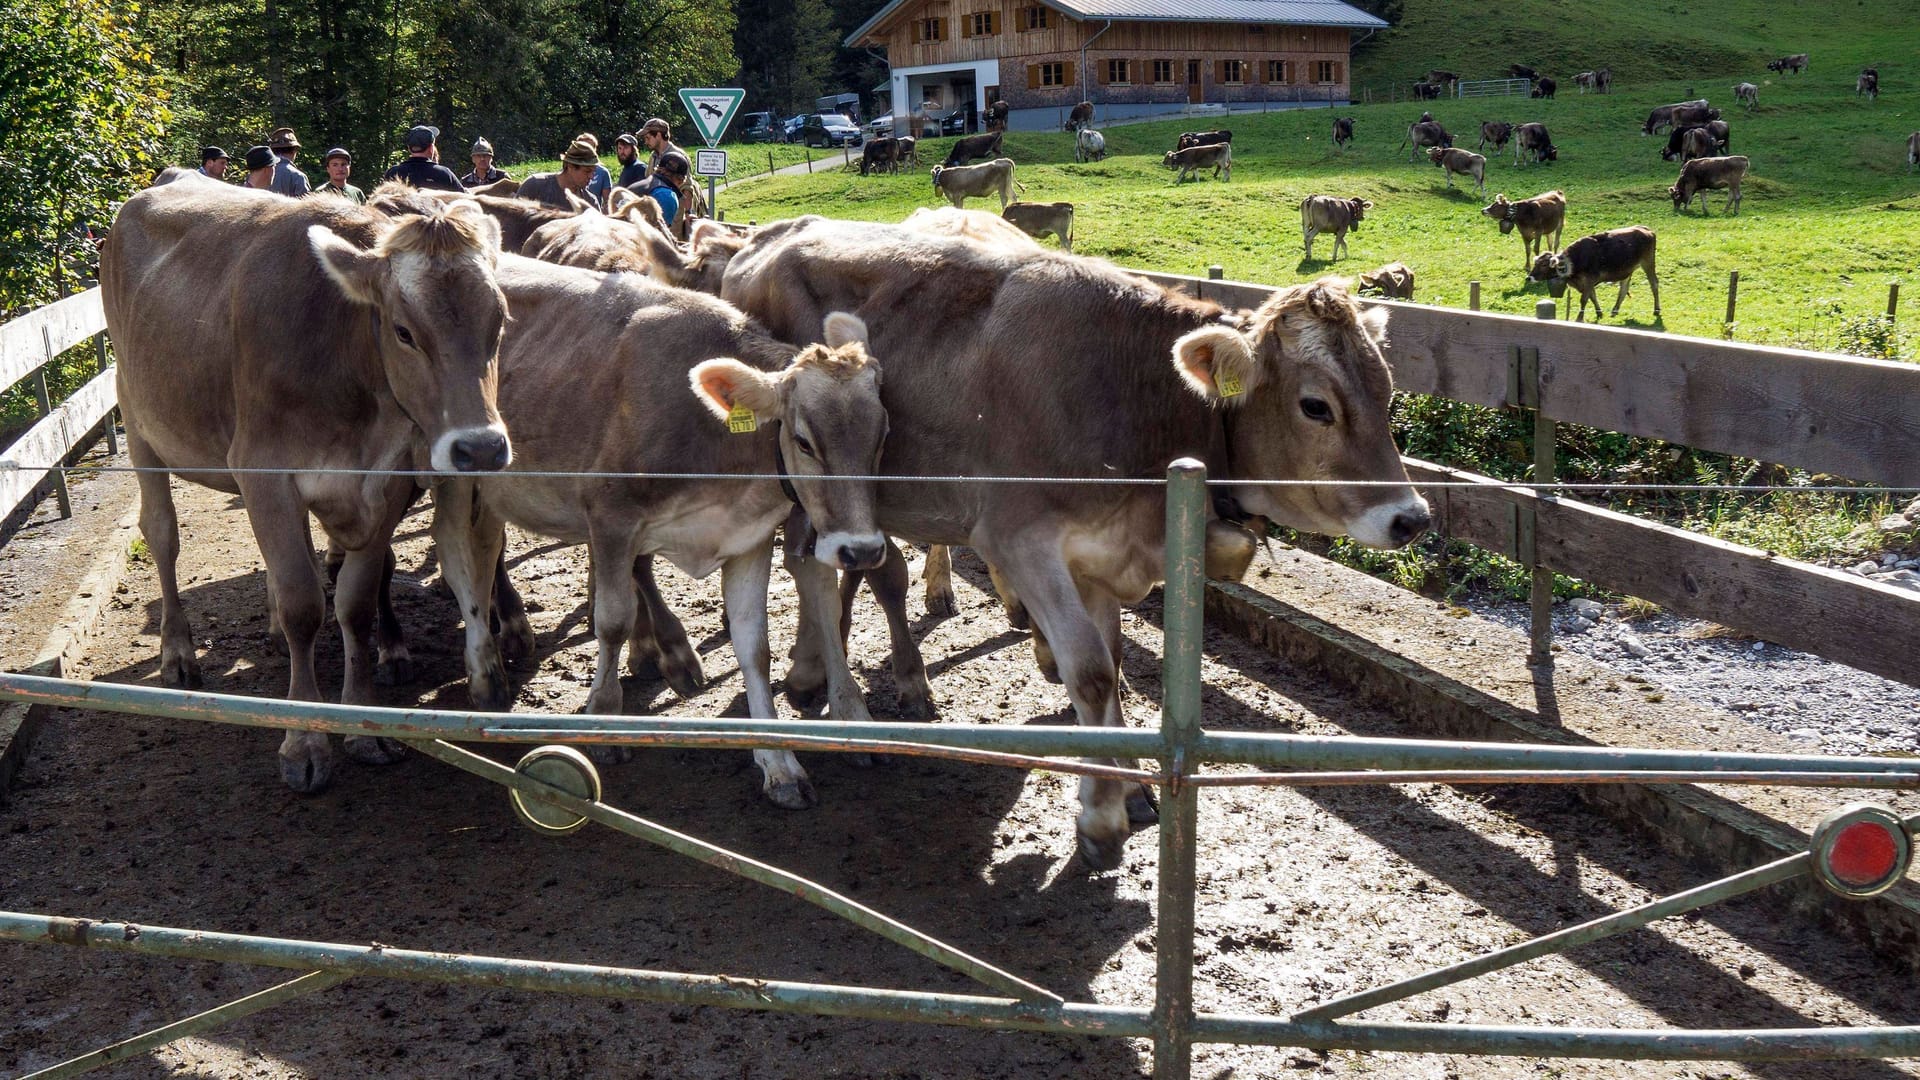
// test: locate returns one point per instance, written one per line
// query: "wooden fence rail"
(27, 345)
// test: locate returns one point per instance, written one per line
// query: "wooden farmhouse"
(1128, 57)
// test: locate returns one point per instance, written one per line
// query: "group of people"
(665, 176)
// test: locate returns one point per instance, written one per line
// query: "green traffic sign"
(711, 109)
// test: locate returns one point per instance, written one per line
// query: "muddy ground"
(1304, 896)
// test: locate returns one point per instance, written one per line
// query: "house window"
(1163, 71)
(1033, 17)
(983, 24)
(1277, 71)
(1047, 76)
(930, 30)
(1117, 71)
(1232, 71)
(1324, 71)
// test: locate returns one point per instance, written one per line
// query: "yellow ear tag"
(742, 421)
(1230, 386)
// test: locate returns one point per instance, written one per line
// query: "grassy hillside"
(1831, 214)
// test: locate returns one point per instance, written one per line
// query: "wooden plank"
(1848, 619)
(66, 322)
(24, 464)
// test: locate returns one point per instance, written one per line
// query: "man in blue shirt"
(632, 169)
(663, 186)
(287, 179)
(420, 169)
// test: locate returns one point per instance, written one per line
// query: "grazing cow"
(1664, 116)
(1695, 142)
(1913, 151)
(1424, 91)
(1297, 389)
(976, 226)
(997, 113)
(595, 367)
(1342, 131)
(371, 346)
(1585, 81)
(1038, 219)
(1496, 132)
(1747, 95)
(1089, 145)
(1535, 218)
(1465, 162)
(1867, 84)
(1325, 213)
(1595, 260)
(1603, 80)
(909, 152)
(1544, 87)
(1217, 156)
(1522, 71)
(962, 182)
(1694, 114)
(880, 155)
(973, 148)
(1189, 139)
(1393, 281)
(1081, 116)
(1709, 174)
(1533, 141)
(1789, 65)
(1424, 136)
(1442, 78)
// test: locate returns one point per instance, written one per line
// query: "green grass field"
(1830, 216)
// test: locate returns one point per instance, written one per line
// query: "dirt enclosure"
(1303, 895)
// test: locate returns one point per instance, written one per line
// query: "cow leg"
(160, 528)
(1653, 285)
(470, 542)
(395, 664)
(1016, 611)
(743, 583)
(356, 602)
(937, 576)
(1310, 234)
(279, 522)
(1619, 298)
(510, 611)
(909, 670)
(658, 636)
(1143, 808)
(616, 606)
(818, 586)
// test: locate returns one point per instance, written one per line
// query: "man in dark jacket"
(288, 180)
(420, 169)
(632, 169)
(483, 171)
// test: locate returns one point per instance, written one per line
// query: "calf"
(1663, 116)
(1747, 95)
(1535, 218)
(1522, 71)
(1218, 156)
(1717, 130)
(909, 152)
(1089, 145)
(1324, 213)
(1424, 136)
(1496, 132)
(880, 155)
(1596, 260)
(1038, 219)
(1394, 281)
(1708, 174)
(1081, 115)
(1190, 139)
(1544, 87)
(1789, 65)
(1342, 131)
(1464, 162)
(1426, 91)
(1442, 78)
(1868, 84)
(973, 148)
(997, 113)
(1532, 139)
(962, 182)
(1586, 81)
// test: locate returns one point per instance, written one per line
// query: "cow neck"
(1219, 458)
(780, 466)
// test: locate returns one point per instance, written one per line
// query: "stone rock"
(1864, 569)
(1634, 646)
(1905, 579)
(1578, 625)
(1889, 559)
(1759, 646)
(1895, 523)
(1585, 608)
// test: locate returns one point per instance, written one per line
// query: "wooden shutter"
(1066, 77)
(1033, 76)
(1103, 71)
(1339, 71)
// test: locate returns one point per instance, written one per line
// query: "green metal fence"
(1858, 851)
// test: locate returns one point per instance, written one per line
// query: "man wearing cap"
(657, 135)
(602, 181)
(666, 185)
(576, 172)
(339, 167)
(213, 162)
(420, 169)
(483, 171)
(632, 169)
(287, 178)
(260, 162)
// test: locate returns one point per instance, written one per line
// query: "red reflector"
(1864, 853)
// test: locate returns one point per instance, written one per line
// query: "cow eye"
(801, 444)
(405, 335)
(1316, 410)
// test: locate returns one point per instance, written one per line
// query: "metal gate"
(1857, 851)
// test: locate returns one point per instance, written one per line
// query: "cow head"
(1553, 268)
(1500, 210)
(1678, 193)
(1169, 161)
(438, 314)
(1359, 207)
(1306, 396)
(832, 423)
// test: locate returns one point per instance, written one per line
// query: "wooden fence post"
(1541, 652)
(46, 409)
(1733, 296)
(1893, 299)
(1473, 295)
(1216, 272)
(100, 356)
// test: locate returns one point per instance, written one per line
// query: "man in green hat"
(483, 171)
(576, 172)
(287, 177)
(339, 167)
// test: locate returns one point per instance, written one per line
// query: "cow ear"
(357, 271)
(724, 384)
(845, 328)
(1373, 320)
(1217, 361)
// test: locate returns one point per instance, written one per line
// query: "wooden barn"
(1128, 57)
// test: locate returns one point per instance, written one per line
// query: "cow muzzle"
(483, 449)
(851, 551)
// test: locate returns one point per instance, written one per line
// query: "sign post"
(711, 109)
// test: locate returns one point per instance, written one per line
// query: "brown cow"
(963, 182)
(1442, 78)
(1694, 114)
(1081, 114)
(977, 226)
(1789, 65)
(1586, 80)
(880, 155)
(1424, 135)
(1217, 156)
(1325, 213)
(1522, 71)
(1394, 281)
(1543, 87)
(1342, 131)
(1534, 141)
(595, 368)
(1496, 132)
(1534, 218)
(997, 113)
(1190, 139)
(605, 242)
(1868, 84)
(1708, 174)
(1663, 116)
(1697, 143)
(1595, 260)
(1913, 151)
(1157, 376)
(370, 346)
(517, 217)
(909, 153)
(1038, 219)
(1426, 91)
(1748, 95)
(1465, 162)
(973, 148)
(1719, 133)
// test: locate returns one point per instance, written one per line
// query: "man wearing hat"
(483, 171)
(213, 162)
(287, 178)
(576, 172)
(339, 167)
(657, 135)
(602, 181)
(260, 162)
(667, 184)
(632, 169)
(420, 169)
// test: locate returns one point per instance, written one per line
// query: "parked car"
(830, 130)
(790, 128)
(758, 127)
(955, 122)
(881, 125)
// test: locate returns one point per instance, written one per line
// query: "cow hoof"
(606, 700)
(608, 755)
(1018, 618)
(1043, 659)
(369, 750)
(309, 772)
(1143, 808)
(683, 674)
(488, 689)
(393, 671)
(792, 794)
(942, 602)
(1102, 854)
(516, 639)
(644, 666)
(181, 670)
(916, 703)
(806, 695)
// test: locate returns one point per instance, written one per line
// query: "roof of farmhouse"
(1289, 12)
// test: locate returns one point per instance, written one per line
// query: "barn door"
(1196, 93)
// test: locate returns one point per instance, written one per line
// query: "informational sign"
(709, 163)
(711, 109)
